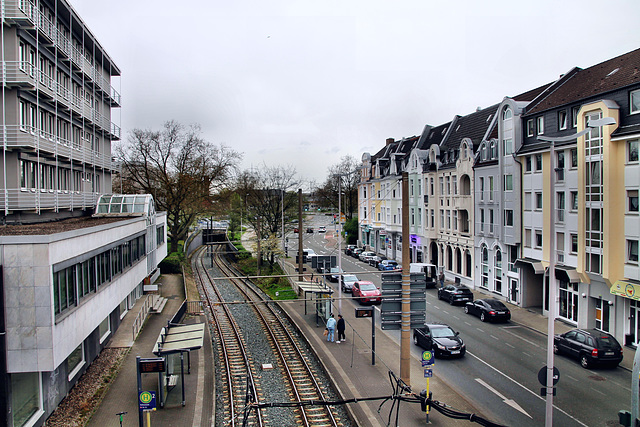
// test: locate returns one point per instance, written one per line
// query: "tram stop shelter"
(320, 295)
(173, 342)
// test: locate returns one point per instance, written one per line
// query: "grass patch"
(278, 288)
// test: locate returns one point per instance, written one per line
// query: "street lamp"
(551, 315)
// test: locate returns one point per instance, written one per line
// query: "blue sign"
(428, 373)
(147, 400)
(427, 358)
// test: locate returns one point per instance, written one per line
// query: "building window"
(491, 188)
(574, 116)
(498, 271)
(485, 267)
(481, 188)
(481, 219)
(490, 220)
(441, 218)
(527, 237)
(508, 218)
(441, 186)
(562, 120)
(507, 146)
(560, 207)
(602, 315)
(506, 113)
(104, 329)
(508, 183)
(75, 361)
(433, 215)
(538, 239)
(448, 185)
(527, 201)
(448, 219)
(574, 244)
(632, 150)
(413, 213)
(574, 158)
(632, 196)
(560, 166)
(538, 201)
(513, 256)
(574, 200)
(632, 251)
(538, 162)
(454, 181)
(527, 163)
(530, 127)
(455, 220)
(568, 301)
(635, 101)
(494, 150)
(560, 247)
(25, 397)
(540, 125)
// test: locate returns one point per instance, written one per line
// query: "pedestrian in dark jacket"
(341, 328)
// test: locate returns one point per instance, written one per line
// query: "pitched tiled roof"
(599, 79)
(473, 126)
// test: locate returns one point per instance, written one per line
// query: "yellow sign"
(626, 289)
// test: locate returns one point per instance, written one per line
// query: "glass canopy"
(125, 205)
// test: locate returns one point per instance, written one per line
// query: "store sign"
(626, 289)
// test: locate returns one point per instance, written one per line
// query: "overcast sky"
(303, 83)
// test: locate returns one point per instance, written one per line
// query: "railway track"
(240, 384)
(300, 376)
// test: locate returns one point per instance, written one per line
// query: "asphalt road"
(499, 371)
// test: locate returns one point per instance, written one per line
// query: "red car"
(366, 292)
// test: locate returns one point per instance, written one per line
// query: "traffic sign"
(428, 373)
(542, 375)
(147, 400)
(427, 357)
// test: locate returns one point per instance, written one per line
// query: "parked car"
(388, 264)
(356, 252)
(455, 293)
(309, 229)
(364, 256)
(589, 346)
(488, 309)
(366, 292)
(347, 281)
(349, 249)
(440, 338)
(335, 273)
(322, 229)
(295, 230)
(375, 260)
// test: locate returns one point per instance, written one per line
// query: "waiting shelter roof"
(179, 338)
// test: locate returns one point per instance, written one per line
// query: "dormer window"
(506, 113)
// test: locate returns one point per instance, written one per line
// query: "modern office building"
(73, 257)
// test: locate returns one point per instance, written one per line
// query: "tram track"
(299, 375)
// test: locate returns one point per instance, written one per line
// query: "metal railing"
(138, 322)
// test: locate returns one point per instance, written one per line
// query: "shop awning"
(538, 268)
(626, 288)
(567, 274)
(179, 338)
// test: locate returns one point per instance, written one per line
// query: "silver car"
(347, 281)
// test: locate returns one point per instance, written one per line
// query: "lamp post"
(551, 315)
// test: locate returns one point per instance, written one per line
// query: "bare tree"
(179, 168)
(327, 194)
(268, 193)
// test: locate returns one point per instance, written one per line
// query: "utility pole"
(339, 245)
(405, 336)
(258, 236)
(300, 248)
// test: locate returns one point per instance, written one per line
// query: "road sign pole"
(140, 419)
(373, 336)
(405, 336)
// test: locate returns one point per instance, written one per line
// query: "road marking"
(509, 402)
(509, 345)
(494, 337)
(526, 354)
(570, 377)
(456, 317)
(620, 385)
(525, 388)
(598, 391)
(445, 311)
(523, 339)
(480, 330)
(467, 323)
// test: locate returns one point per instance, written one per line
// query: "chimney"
(390, 141)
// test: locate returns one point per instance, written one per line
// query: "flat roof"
(179, 338)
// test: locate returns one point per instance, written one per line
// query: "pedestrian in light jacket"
(331, 327)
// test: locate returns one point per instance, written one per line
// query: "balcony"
(34, 199)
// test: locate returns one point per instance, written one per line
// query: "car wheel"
(466, 309)
(556, 350)
(451, 300)
(483, 318)
(415, 340)
(584, 361)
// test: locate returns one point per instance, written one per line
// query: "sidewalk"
(123, 393)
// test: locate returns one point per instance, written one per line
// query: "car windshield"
(367, 287)
(606, 342)
(350, 278)
(335, 270)
(392, 263)
(445, 332)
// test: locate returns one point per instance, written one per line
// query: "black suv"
(455, 293)
(590, 346)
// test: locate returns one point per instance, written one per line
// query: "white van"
(430, 270)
